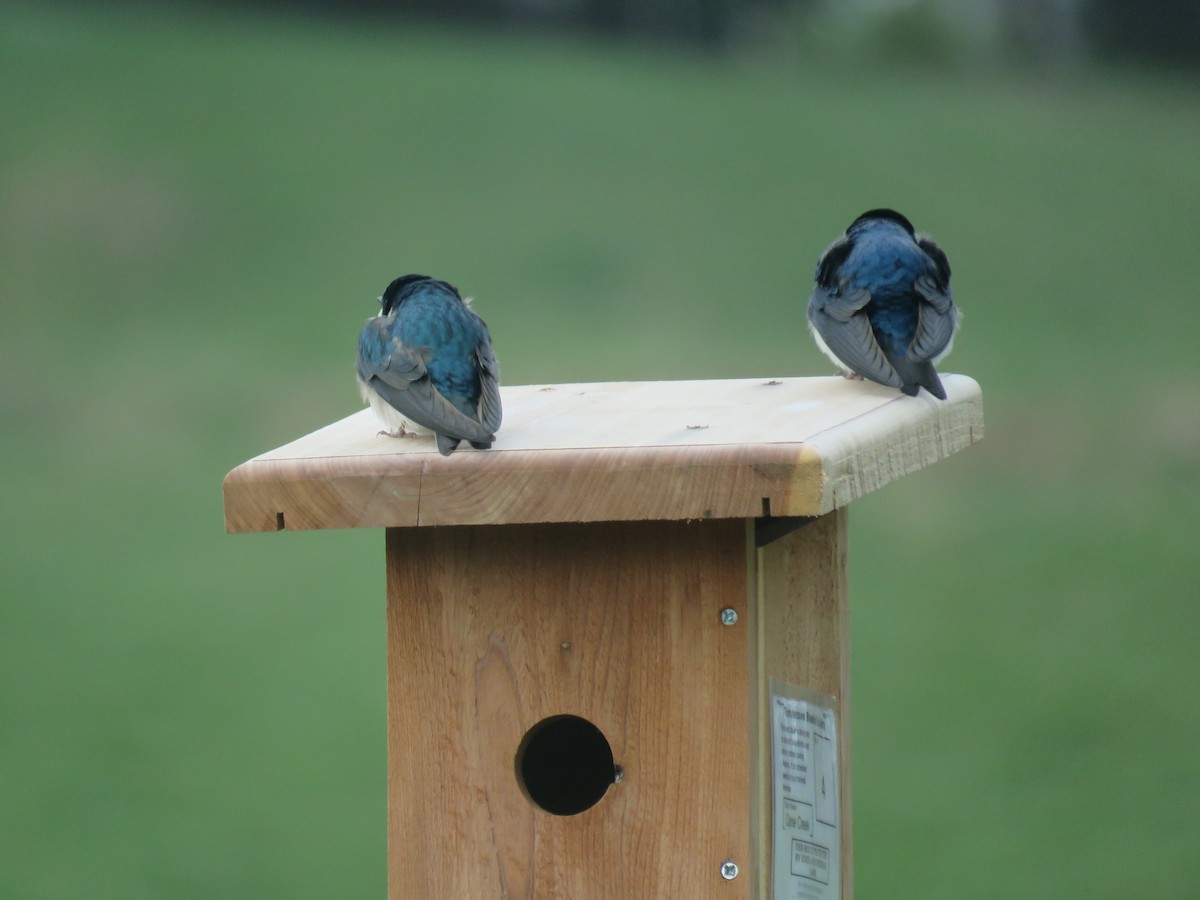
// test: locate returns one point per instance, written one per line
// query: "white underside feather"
(391, 420)
(824, 348)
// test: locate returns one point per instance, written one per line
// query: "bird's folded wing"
(398, 374)
(490, 410)
(935, 322)
(847, 333)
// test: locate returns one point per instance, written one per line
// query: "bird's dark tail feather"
(920, 375)
(933, 384)
(447, 445)
(916, 375)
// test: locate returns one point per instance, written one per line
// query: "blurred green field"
(196, 214)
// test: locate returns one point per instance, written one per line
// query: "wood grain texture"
(622, 451)
(801, 635)
(491, 630)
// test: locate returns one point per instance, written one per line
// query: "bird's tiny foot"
(852, 376)
(401, 433)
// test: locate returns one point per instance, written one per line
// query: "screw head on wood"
(729, 617)
(729, 870)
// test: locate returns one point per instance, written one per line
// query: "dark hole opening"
(565, 765)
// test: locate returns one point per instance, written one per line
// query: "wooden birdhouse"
(617, 642)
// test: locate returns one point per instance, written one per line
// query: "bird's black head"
(402, 287)
(883, 213)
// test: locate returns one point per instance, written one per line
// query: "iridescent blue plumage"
(427, 360)
(881, 306)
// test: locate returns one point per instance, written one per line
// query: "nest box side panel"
(801, 636)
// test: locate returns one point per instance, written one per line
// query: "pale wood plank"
(800, 624)
(861, 456)
(269, 495)
(491, 630)
(615, 451)
(619, 414)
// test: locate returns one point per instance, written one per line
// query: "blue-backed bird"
(425, 364)
(881, 306)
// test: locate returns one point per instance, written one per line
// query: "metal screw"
(729, 617)
(729, 870)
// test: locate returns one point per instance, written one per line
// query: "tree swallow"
(881, 307)
(425, 364)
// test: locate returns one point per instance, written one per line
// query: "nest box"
(617, 642)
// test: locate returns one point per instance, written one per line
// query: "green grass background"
(196, 214)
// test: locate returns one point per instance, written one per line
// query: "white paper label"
(804, 775)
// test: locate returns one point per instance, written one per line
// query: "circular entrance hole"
(564, 765)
